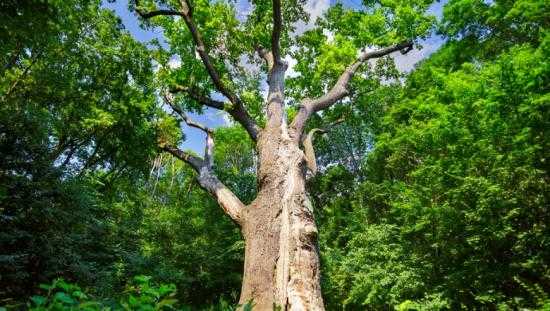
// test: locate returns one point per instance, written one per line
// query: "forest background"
(432, 194)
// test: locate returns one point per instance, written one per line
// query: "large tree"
(219, 47)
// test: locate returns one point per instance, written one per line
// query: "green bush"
(142, 295)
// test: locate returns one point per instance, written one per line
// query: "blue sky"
(213, 118)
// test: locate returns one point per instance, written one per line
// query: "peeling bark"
(281, 254)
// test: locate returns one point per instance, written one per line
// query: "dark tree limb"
(239, 114)
(340, 89)
(197, 96)
(237, 109)
(276, 31)
(147, 15)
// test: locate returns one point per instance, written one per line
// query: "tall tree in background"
(216, 47)
(72, 97)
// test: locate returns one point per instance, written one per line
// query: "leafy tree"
(453, 211)
(213, 44)
(73, 97)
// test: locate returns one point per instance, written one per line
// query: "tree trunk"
(281, 256)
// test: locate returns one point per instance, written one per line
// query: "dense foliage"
(433, 192)
(454, 209)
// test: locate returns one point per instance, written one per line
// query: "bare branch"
(276, 32)
(228, 201)
(309, 152)
(208, 180)
(340, 89)
(238, 111)
(209, 150)
(201, 99)
(195, 162)
(169, 100)
(204, 167)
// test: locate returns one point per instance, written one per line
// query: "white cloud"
(174, 62)
(315, 9)
(290, 72)
(406, 63)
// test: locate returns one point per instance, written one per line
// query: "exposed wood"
(266, 55)
(311, 161)
(281, 254)
(309, 151)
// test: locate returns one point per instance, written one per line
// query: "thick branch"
(276, 32)
(196, 95)
(340, 89)
(207, 179)
(228, 201)
(147, 15)
(195, 162)
(205, 167)
(238, 111)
